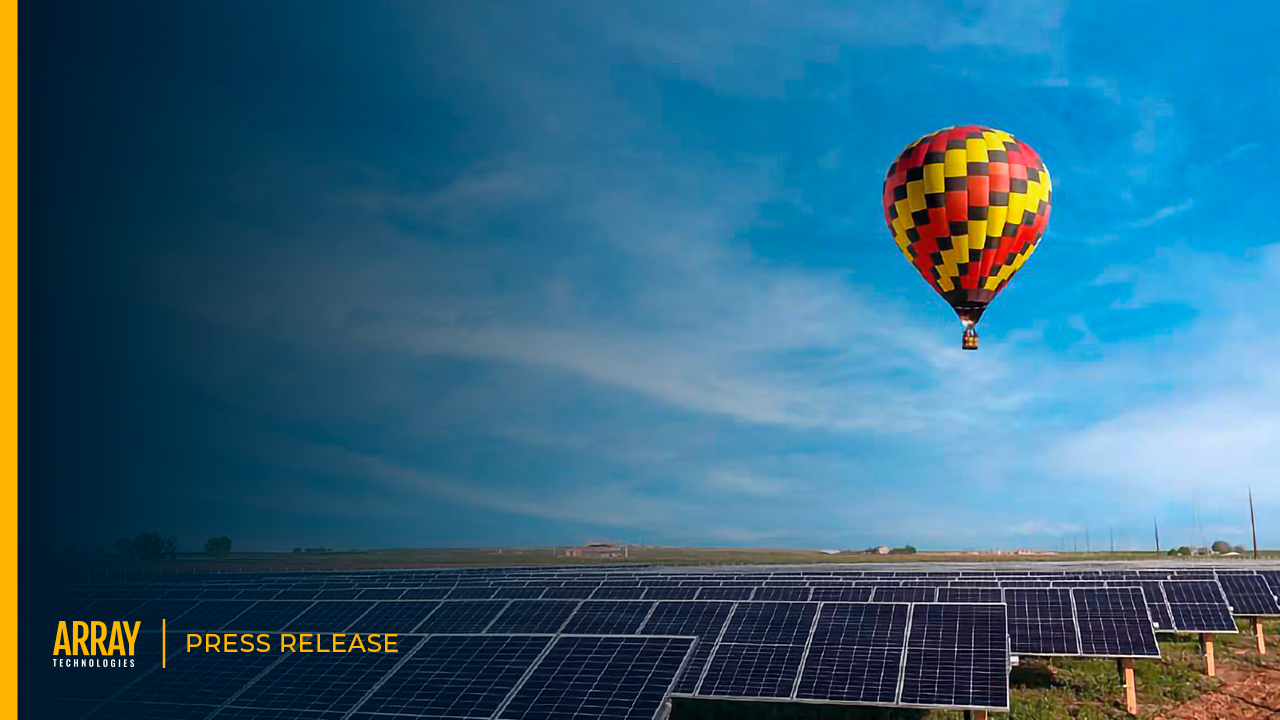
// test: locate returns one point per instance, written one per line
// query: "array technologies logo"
(92, 644)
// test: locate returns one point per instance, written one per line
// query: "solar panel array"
(776, 634)
(909, 654)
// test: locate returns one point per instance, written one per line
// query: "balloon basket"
(970, 339)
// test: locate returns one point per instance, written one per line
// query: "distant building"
(882, 550)
(595, 550)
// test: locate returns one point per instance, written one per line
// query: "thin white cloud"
(732, 481)
(1045, 528)
(1161, 214)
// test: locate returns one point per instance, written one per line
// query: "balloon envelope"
(967, 206)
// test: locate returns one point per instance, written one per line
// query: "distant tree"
(148, 546)
(1172, 552)
(1221, 546)
(217, 546)
(1184, 550)
(297, 550)
(1239, 549)
(124, 546)
(169, 548)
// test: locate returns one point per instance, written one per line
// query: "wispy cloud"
(1161, 214)
(1045, 528)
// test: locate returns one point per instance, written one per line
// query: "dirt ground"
(1250, 690)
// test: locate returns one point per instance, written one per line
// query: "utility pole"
(1253, 526)
(1086, 541)
(1112, 535)
(1156, 523)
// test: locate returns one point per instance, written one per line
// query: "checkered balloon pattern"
(967, 206)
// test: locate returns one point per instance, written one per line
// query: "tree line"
(150, 546)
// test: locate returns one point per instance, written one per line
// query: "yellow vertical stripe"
(934, 180)
(915, 195)
(977, 234)
(975, 149)
(995, 223)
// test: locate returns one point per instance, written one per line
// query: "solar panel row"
(915, 655)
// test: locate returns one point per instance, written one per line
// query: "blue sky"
(487, 273)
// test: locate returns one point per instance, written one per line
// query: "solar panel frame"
(703, 619)
(598, 697)
(329, 616)
(321, 682)
(1249, 595)
(751, 671)
(462, 617)
(521, 617)
(609, 617)
(436, 681)
(394, 616)
(964, 657)
(1114, 623)
(1198, 606)
(843, 649)
(770, 623)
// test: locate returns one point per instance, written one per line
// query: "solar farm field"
(650, 642)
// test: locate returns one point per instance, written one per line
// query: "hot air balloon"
(967, 206)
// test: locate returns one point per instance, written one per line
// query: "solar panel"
(609, 617)
(456, 676)
(1157, 606)
(568, 593)
(152, 612)
(770, 623)
(600, 677)
(794, 594)
(349, 594)
(332, 682)
(904, 594)
(752, 671)
(618, 593)
(1249, 595)
(855, 654)
(232, 713)
(702, 619)
(152, 711)
(844, 594)
(1273, 579)
(957, 657)
(381, 594)
(1198, 606)
(726, 593)
(533, 616)
(424, 594)
(1041, 621)
(464, 616)
(199, 678)
(969, 595)
(263, 594)
(209, 615)
(328, 616)
(671, 593)
(471, 593)
(269, 616)
(1113, 622)
(522, 593)
(394, 616)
